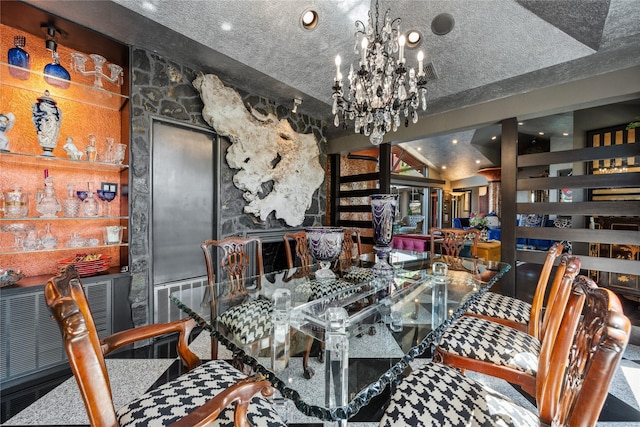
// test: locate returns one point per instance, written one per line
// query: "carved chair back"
(300, 247)
(351, 241)
(67, 301)
(234, 259)
(453, 240)
(573, 382)
(537, 305)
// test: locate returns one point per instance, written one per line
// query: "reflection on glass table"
(354, 316)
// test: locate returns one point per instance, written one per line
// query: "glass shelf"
(35, 160)
(11, 251)
(64, 218)
(75, 92)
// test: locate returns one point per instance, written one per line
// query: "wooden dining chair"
(516, 313)
(232, 304)
(453, 240)
(201, 396)
(351, 248)
(300, 248)
(500, 351)
(572, 384)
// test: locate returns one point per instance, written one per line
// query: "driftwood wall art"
(263, 149)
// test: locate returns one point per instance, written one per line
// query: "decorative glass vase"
(325, 245)
(56, 75)
(47, 119)
(46, 201)
(18, 57)
(383, 210)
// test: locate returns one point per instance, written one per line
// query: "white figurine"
(72, 150)
(6, 123)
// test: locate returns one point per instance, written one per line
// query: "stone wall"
(162, 88)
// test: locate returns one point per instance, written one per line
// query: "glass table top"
(389, 324)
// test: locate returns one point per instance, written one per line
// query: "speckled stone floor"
(622, 408)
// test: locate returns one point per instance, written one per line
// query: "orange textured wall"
(78, 121)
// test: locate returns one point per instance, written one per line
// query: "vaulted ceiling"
(495, 49)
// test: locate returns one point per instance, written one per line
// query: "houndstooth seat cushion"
(359, 275)
(488, 341)
(174, 400)
(437, 395)
(502, 307)
(248, 322)
(322, 288)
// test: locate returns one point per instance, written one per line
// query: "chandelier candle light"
(380, 92)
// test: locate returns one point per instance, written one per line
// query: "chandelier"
(382, 91)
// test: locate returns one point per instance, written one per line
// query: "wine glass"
(325, 245)
(108, 197)
(100, 194)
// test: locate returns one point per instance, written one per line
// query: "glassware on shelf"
(16, 203)
(100, 194)
(120, 153)
(75, 241)
(18, 230)
(79, 64)
(31, 241)
(47, 118)
(108, 197)
(90, 205)
(71, 205)
(46, 202)
(92, 152)
(55, 74)
(18, 57)
(48, 240)
(109, 153)
(113, 234)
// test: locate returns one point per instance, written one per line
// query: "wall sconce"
(296, 102)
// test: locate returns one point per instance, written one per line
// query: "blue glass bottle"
(18, 57)
(61, 75)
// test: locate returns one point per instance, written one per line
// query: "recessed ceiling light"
(455, 141)
(413, 38)
(540, 133)
(493, 138)
(226, 26)
(520, 123)
(444, 167)
(477, 161)
(419, 148)
(309, 19)
(565, 133)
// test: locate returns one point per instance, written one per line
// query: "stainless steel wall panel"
(182, 199)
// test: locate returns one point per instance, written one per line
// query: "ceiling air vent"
(430, 72)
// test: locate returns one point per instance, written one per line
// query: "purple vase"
(383, 210)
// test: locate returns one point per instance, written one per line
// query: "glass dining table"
(364, 330)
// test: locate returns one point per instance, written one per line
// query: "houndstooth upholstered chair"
(501, 351)
(572, 385)
(231, 303)
(516, 313)
(206, 395)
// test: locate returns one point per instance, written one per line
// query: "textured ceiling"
(496, 48)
